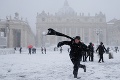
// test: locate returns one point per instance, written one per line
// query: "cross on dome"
(66, 3)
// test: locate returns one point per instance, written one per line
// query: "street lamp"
(98, 31)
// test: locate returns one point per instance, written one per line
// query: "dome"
(66, 10)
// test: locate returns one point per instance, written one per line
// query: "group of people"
(89, 53)
(56, 49)
(32, 51)
(78, 50)
(20, 49)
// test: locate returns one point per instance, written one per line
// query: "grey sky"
(29, 8)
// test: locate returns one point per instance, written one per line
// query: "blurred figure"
(61, 49)
(45, 50)
(116, 49)
(33, 50)
(42, 50)
(29, 50)
(20, 50)
(108, 49)
(68, 50)
(54, 48)
(101, 49)
(90, 52)
(14, 49)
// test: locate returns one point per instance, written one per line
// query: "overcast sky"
(29, 8)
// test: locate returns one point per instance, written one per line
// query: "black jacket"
(90, 48)
(101, 49)
(76, 49)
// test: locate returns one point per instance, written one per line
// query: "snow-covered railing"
(6, 51)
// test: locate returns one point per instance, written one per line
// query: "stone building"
(67, 21)
(114, 32)
(16, 32)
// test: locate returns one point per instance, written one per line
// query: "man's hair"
(77, 37)
(101, 43)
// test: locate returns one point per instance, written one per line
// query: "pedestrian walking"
(20, 50)
(42, 50)
(101, 49)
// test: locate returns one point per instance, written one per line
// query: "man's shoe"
(99, 62)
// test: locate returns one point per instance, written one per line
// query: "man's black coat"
(101, 49)
(76, 48)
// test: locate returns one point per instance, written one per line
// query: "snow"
(56, 66)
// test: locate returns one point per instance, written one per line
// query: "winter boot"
(75, 74)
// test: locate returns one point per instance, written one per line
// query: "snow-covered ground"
(56, 66)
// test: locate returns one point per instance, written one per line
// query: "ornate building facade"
(16, 32)
(67, 21)
(114, 32)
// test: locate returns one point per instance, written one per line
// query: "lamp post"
(98, 31)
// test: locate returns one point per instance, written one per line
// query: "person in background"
(42, 50)
(33, 50)
(61, 49)
(45, 50)
(101, 49)
(29, 50)
(20, 50)
(14, 49)
(91, 51)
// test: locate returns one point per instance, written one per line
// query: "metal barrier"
(6, 51)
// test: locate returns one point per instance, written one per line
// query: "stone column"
(22, 38)
(25, 39)
(10, 38)
(38, 37)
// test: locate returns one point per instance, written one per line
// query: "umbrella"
(30, 46)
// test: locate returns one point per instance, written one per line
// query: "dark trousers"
(29, 50)
(76, 65)
(101, 57)
(84, 56)
(92, 56)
